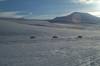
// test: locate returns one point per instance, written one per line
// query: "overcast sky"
(47, 9)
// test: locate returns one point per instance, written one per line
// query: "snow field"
(17, 49)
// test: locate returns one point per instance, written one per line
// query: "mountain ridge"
(78, 16)
(75, 17)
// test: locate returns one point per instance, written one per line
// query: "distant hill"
(76, 17)
(23, 19)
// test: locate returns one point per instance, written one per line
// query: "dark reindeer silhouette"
(54, 37)
(32, 37)
(79, 37)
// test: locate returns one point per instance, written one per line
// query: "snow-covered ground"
(18, 49)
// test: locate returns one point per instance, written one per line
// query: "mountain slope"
(79, 17)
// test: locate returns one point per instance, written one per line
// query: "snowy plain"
(17, 49)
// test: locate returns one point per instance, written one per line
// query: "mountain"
(77, 17)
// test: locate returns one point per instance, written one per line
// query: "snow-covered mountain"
(78, 16)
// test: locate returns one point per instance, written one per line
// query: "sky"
(47, 9)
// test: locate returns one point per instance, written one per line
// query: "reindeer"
(79, 37)
(32, 37)
(54, 37)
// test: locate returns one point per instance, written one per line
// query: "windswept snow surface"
(17, 49)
